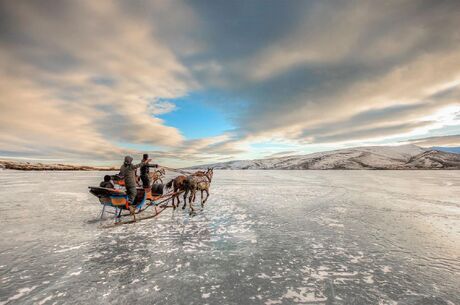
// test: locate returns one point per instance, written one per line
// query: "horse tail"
(169, 184)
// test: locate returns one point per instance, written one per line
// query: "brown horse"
(198, 181)
(178, 185)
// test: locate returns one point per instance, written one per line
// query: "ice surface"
(265, 237)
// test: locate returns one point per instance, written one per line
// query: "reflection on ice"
(291, 237)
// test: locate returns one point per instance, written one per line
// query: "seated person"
(107, 183)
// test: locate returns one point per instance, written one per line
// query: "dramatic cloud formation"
(338, 62)
(92, 80)
(78, 78)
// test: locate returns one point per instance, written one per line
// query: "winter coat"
(128, 171)
(145, 169)
(107, 184)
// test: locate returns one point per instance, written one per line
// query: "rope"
(158, 203)
(176, 170)
(170, 194)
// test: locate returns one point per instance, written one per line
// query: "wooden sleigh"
(115, 202)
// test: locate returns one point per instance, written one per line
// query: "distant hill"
(371, 157)
(27, 166)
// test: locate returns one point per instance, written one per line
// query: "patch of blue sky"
(444, 131)
(196, 118)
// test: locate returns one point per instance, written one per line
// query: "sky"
(194, 82)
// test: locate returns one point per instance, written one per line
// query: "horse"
(198, 181)
(157, 175)
(178, 185)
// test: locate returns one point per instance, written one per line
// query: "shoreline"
(27, 166)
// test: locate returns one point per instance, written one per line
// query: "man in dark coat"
(145, 169)
(128, 171)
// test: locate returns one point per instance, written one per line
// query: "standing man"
(128, 171)
(145, 169)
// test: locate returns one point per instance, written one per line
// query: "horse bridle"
(207, 176)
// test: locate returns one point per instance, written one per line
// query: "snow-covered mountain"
(371, 157)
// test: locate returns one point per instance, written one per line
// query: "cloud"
(86, 79)
(78, 88)
(359, 32)
(451, 141)
(330, 62)
(282, 154)
(161, 107)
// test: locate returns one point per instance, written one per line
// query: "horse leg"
(185, 199)
(207, 195)
(192, 210)
(202, 203)
(177, 196)
(194, 195)
(173, 197)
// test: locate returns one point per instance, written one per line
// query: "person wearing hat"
(107, 183)
(128, 172)
(145, 169)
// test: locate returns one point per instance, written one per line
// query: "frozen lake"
(265, 237)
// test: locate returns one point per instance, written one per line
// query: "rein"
(176, 170)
